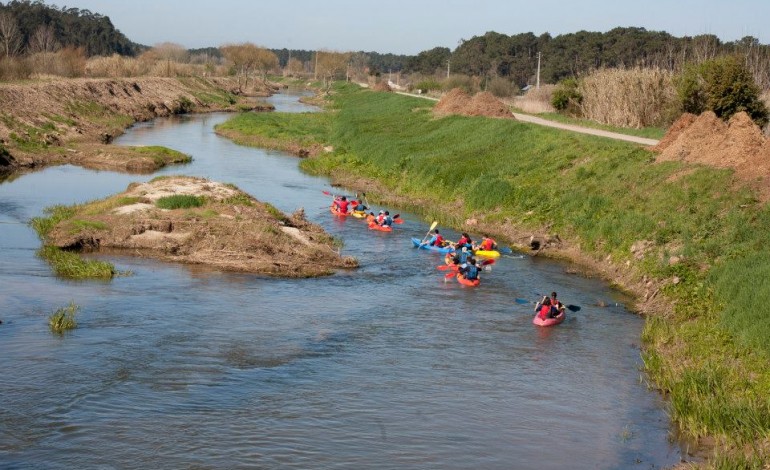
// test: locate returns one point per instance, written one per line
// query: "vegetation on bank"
(278, 131)
(703, 236)
(63, 318)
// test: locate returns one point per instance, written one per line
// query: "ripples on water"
(383, 367)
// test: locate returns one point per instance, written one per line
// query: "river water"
(383, 367)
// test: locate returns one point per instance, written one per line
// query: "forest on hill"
(31, 26)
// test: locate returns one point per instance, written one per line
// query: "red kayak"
(381, 228)
(550, 321)
(468, 282)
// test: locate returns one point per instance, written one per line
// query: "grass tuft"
(73, 266)
(63, 319)
(180, 201)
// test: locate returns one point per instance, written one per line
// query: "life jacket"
(359, 207)
(461, 257)
(387, 221)
(343, 206)
(380, 218)
(488, 244)
(545, 311)
(438, 240)
(370, 219)
(471, 272)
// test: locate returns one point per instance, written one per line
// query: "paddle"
(397, 219)
(571, 308)
(432, 226)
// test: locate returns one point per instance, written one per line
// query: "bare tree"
(43, 40)
(242, 58)
(264, 62)
(294, 67)
(10, 36)
(331, 66)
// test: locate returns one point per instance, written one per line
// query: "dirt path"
(567, 127)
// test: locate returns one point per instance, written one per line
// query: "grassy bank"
(702, 237)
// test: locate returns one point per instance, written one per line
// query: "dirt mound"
(738, 144)
(457, 101)
(381, 86)
(230, 230)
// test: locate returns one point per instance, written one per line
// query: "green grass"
(99, 114)
(81, 225)
(73, 266)
(63, 318)
(302, 128)
(180, 201)
(162, 155)
(709, 354)
(55, 214)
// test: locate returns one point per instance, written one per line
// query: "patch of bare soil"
(738, 144)
(456, 101)
(381, 86)
(231, 231)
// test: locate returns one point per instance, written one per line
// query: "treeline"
(30, 26)
(576, 54)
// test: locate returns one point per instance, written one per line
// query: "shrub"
(63, 319)
(428, 84)
(724, 86)
(463, 82)
(566, 96)
(180, 201)
(500, 87)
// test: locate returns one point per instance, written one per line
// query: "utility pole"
(315, 69)
(447, 67)
(538, 70)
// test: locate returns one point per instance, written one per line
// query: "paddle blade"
(573, 308)
(433, 225)
(327, 193)
(487, 262)
(398, 221)
(504, 249)
(449, 275)
(521, 301)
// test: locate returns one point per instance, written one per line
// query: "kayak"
(381, 228)
(334, 211)
(549, 321)
(358, 214)
(487, 253)
(447, 249)
(467, 282)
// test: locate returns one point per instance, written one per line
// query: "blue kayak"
(447, 249)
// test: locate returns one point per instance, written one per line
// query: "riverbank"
(193, 221)
(684, 239)
(70, 121)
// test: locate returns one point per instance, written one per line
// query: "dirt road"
(567, 127)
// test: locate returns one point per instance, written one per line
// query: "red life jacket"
(380, 219)
(487, 244)
(545, 310)
(439, 240)
(343, 206)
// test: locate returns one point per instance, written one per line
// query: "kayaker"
(543, 309)
(342, 204)
(380, 218)
(464, 241)
(469, 270)
(556, 306)
(370, 219)
(436, 240)
(461, 257)
(359, 206)
(487, 244)
(387, 221)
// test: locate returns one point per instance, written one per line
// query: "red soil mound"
(482, 104)
(381, 86)
(738, 144)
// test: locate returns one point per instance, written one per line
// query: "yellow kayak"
(487, 253)
(359, 214)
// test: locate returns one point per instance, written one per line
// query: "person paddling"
(342, 205)
(487, 244)
(543, 308)
(469, 270)
(556, 306)
(436, 240)
(387, 221)
(464, 241)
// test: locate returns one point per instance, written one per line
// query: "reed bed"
(638, 97)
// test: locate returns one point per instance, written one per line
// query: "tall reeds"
(638, 97)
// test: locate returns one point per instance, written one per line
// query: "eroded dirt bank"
(71, 120)
(226, 228)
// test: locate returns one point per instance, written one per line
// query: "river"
(382, 367)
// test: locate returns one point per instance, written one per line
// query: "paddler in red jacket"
(342, 204)
(487, 244)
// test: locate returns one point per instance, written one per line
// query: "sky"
(411, 26)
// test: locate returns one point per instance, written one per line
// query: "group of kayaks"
(487, 257)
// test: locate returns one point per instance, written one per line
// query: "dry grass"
(628, 97)
(536, 101)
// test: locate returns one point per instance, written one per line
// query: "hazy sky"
(411, 26)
